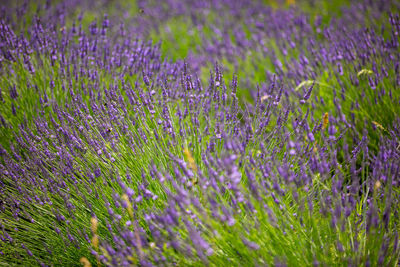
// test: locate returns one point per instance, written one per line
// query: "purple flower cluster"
(111, 152)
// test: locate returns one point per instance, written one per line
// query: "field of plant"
(200, 133)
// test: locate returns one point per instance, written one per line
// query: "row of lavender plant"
(353, 62)
(111, 155)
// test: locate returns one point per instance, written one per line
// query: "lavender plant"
(268, 135)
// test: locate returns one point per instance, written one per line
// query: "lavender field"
(200, 133)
